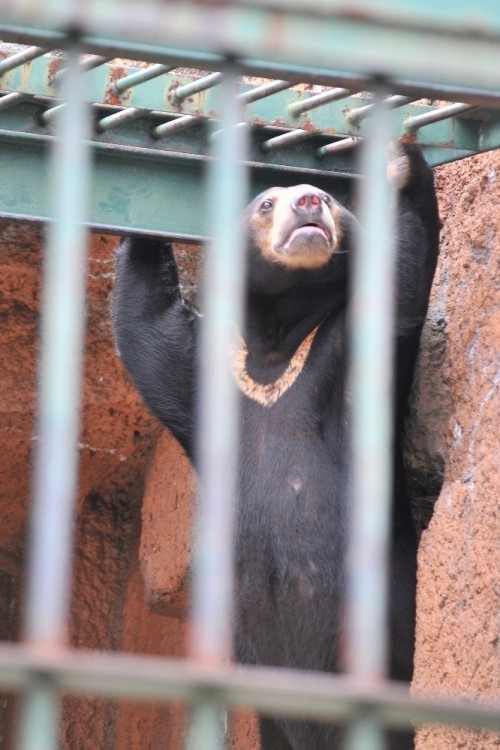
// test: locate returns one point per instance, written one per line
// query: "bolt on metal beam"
(134, 79)
(20, 58)
(195, 87)
(442, 113)
(297, 108)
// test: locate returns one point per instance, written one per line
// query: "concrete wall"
(134, 500)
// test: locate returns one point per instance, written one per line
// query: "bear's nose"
(307, 204)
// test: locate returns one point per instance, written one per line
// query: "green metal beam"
(358, 38)
(135, 188)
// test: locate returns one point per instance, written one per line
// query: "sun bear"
(291, 370)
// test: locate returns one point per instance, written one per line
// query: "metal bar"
(343, 145)
(354, 116)
(371, 413)
(479, 93)
(37, 80)
(84, 66)
(319, 696)
(49, 115)
(20, 58)
(134, 79)
(58, 417)
(319, 100)
(62, 330)
(212, 597)
(263, 91)
(354, 42)
(285, 139)
(443, 113)
(174, 126)
(211, 638)
(10, 100)
(39, 719)
(119, 118)
(195, 87)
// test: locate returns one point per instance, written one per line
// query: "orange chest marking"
(268, 394)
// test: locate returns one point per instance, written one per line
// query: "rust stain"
(280, 123)
(171, 100)
(55, 65)
(310, 127)
(111, 95)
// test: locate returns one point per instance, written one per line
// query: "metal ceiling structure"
(154, 126)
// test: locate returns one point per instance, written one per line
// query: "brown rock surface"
(458, 653)
(129, 580)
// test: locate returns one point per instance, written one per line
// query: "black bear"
(291, 368)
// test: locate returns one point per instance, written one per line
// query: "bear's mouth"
(308, 231)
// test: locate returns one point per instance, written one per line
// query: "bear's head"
(296, 235)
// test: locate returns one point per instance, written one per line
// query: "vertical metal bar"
(60, 369)
(372, 356)
(212, 609)
(49, 573)
(39, 717)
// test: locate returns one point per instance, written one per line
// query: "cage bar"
(371, 412)
(211, 639)
(55, 471)
(218, 428)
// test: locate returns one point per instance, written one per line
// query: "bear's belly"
(290, 551)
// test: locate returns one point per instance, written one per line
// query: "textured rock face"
(130, 572)
(458, 651)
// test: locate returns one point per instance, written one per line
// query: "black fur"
(294, 456)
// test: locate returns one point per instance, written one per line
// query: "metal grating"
(155, 125)
(41, 666)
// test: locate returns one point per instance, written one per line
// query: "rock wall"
(458, 648)
(129, 579)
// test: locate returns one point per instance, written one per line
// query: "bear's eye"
(266, 205)
(326, 199)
